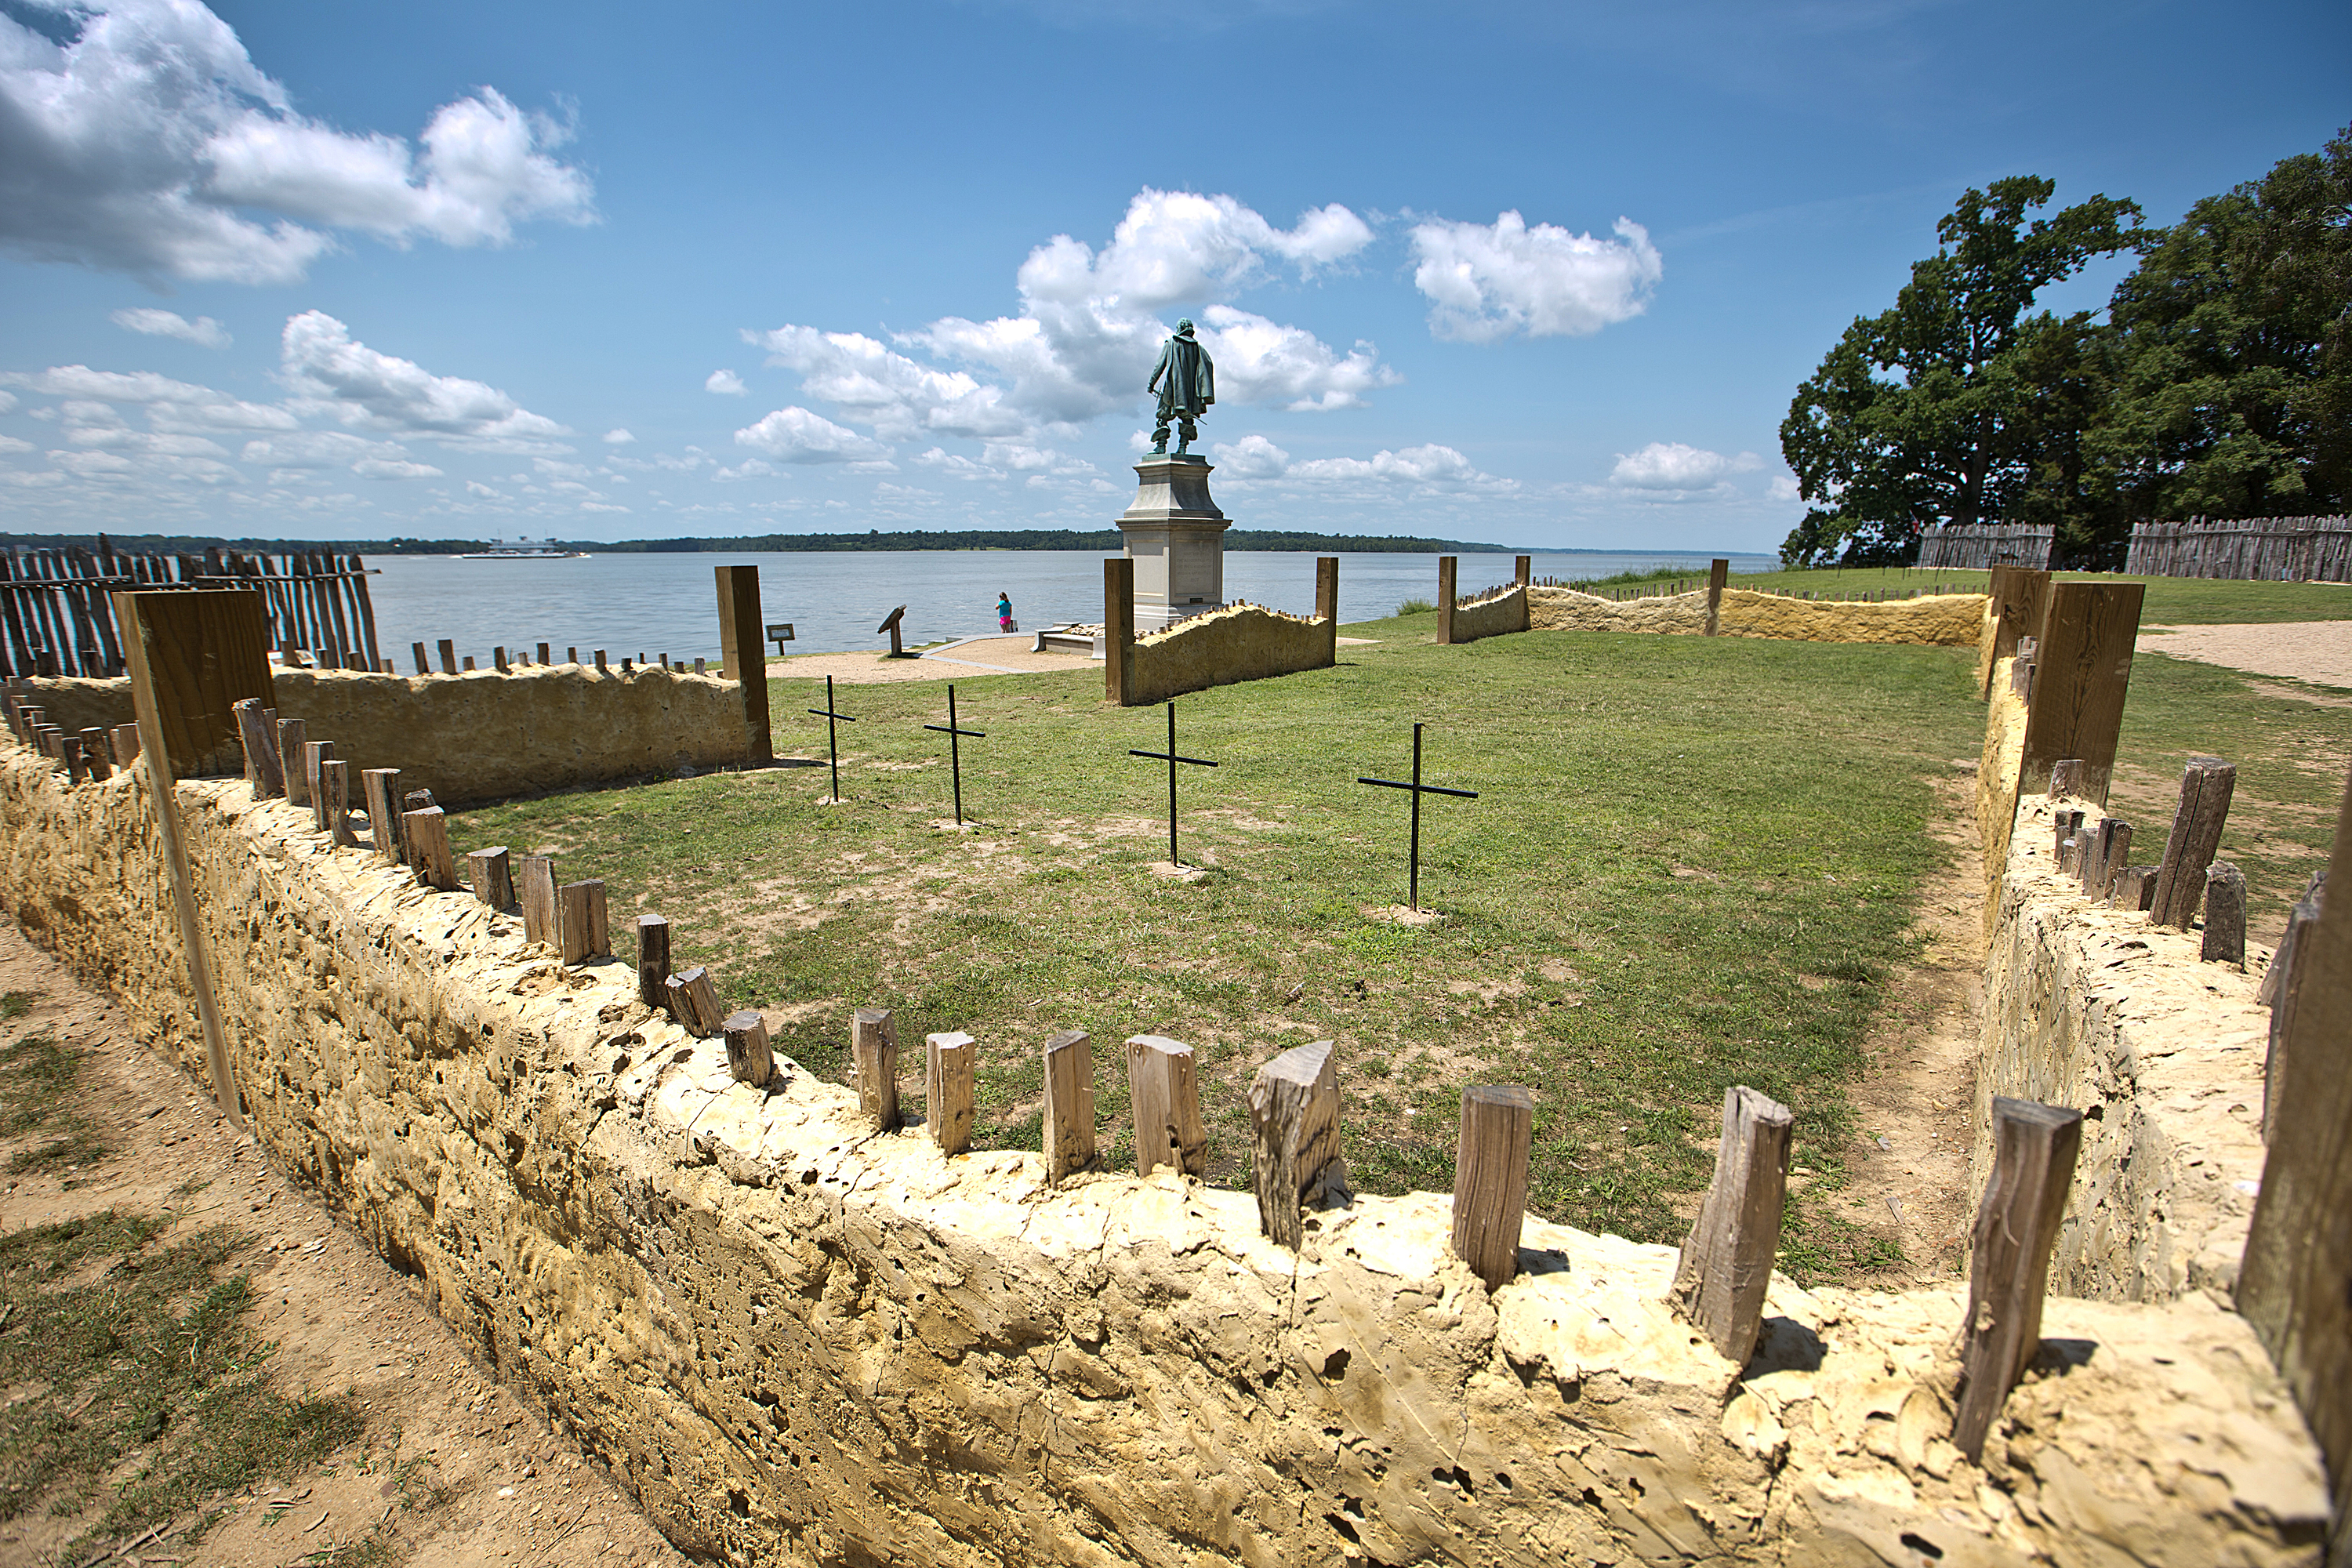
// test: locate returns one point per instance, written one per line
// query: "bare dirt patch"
(2316, 652)
(449, 1467)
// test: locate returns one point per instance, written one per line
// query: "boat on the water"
(525, 549)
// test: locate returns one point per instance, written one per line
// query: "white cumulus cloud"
(1486, 282)
(361, 387)
(150, 143)
(203, 331)
(797, 435)
(727, 384)
(393, 469)
(1252, 458)
(1673, 466)
(618, 437)
(1415, 469)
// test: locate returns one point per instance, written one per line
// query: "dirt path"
(449, 1469)
(1907, 1178)
(2318, 651)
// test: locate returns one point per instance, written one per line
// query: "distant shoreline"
(971, 541)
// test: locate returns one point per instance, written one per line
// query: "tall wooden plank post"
(1165, 1097)
(1719, 577)
(947, 1088)
(1523, 571)
(2296, 1284)
(2081, 672)
(1327, 602)
(1725, 1265)
(193, 658)
(2033, 1154)
(1119, 628)
(746, 654)
(1445, 597)
(2020, 597)
(1294, 1104)
(1490, 1178)
(1069, 1103)
(873, 1052)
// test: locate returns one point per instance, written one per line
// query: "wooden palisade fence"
(2265, 549)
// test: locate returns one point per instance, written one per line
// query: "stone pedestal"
(1175, 536)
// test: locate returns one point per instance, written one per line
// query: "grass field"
(1692, 863)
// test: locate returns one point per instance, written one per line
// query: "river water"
(656, 604)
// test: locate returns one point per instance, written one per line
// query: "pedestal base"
(1175, 536)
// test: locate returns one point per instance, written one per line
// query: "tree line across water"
(1095, 539)
(2216, 383)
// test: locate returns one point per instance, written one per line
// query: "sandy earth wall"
(1504, 610)
(1938, 620)
(1240, 642)
(2097, 1010)
(483, 735)
(803, 1342)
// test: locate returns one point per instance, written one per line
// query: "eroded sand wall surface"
(1938, 620)
(806, 1343)
(1240, 642)
(1503, 609)
(2095, 1009)
(483, 735)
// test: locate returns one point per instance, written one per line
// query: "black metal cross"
(833, 722)
(1171, 758)
(955, 750)
(1413, 896)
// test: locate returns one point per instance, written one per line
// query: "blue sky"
(1546, 276)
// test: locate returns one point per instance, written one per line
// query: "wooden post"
(580, 933)
(2135, 888)
(600, 665)
(536, 892)
(1069, 1103)
(694, 1002)
(69, 752)
(498, 658)
(448, 651)
(161, 641)
(1327, 601)
(2065, 779)
(93, 751)
(1490, 1176)
(2206, 786)
(1524, 572)
(2009, 1272)
(424, 666)
(1727, 1263)
(746, 654)
(1166, 1100)
(312, 757)
(380, 795)
(2225, 915)
(652, 959)
(2020, 598)
(335, 791)
(946, 1090)
(1445, 597)
(570, 656)
(426, 834)
(1119, 628)
(294, 765)
(1294, 1139)
(2282, 990)
(543, 651)
(126, 745)
(263, 771)
(874, 1057)
(1719, 577)
(490, 871)
(2081, 671)
(2110, 849)
(749, 1057)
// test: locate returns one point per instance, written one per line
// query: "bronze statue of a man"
(1187, 383)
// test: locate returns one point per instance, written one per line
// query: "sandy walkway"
(963, 661)
(2316, 652)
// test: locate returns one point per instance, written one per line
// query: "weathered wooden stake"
(653, 960)
(747, 1054)
(1069, 1103)
(536, 892)
(293, 734)
(2083, 670)
(694, 1002)
(1166, 1099)
(93, 751)
(2017, 1226)
(263, 771)
(499, 658)
(1719, 577)
(491, 872)
(543, 651)
(2206, 786)
(2135, 888)
(379, 795)
(2282, 990)
(335, 788)
(1445, 597)
(2065, 778)
(126, 745)
(423, 665)
(2225, 915)
(874, 1055)
(1294, 1139)
(449, 657)
(315, 755)
(2110, 849)
(69, 752)
(1727, 1263)
(1490, 1179)
(2064, 825)
(581, 933)
(948, 1066)
(427, 833)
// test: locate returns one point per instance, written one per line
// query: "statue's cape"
(1189, 377)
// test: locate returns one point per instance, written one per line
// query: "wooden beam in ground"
(653, 960)
(2282, 989)
(1069, 1103)
(2020, 597)
(207, 652)
(491, 873)
(1327, 600)
(580, 931)
(293, 734)
(2009, 1274)
(264, 773)
(1490, 1178)
(1719, 577)
(2295, 1285)
(874, 1055)
(1119, 628)
(1294, 1139)
(1165, 1098)
(313, 765)
(1445, 597)
(335, 792)
(2225, 915)
(380, 797)
(949, 1060)
(749, 1057)
(2082, 673)
(155, 639)
(2207, 785)
(1727, 1263)
(535, 891)
(694, 1002)
(741, 641)
(426, 834)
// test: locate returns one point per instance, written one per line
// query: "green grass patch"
(2169, 602)
(37, 1078)
(132, 1372)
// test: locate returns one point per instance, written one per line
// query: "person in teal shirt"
(1004, 612)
